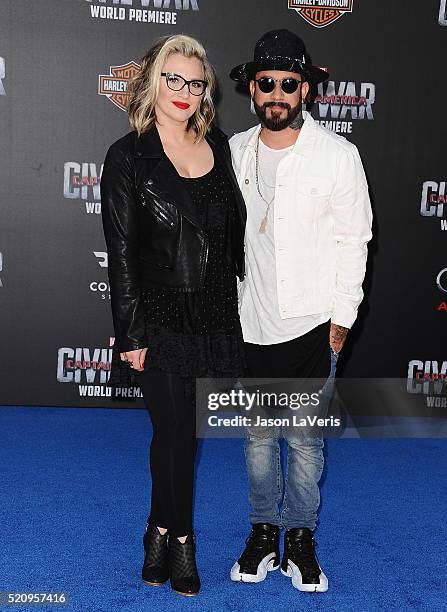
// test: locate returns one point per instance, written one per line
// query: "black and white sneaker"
(261, 554)
(299, 561)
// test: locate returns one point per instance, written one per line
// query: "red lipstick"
(182, 105)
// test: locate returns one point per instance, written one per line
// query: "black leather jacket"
(152, 231)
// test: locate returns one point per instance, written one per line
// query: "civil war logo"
(143, 11)
(89, 369)
(321, 13)
(434, 201)
(114, 84)
(428, 377)
(82, 181)
(337, 104)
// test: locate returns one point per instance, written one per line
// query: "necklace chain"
(264, 221)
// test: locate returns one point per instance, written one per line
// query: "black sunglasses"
(267, 84)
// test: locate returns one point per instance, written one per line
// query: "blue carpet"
(76, 495)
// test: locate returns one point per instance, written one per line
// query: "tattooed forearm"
(337, 336)
(338, 332)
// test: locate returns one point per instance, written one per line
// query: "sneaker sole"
(155, 583)
(295, 574)
(266, 565)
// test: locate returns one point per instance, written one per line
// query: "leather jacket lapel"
(165, 181)
(162, 178)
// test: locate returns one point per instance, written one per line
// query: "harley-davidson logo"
(321, 13)
(114, 85)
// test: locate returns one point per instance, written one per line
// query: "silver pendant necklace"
(264, 221)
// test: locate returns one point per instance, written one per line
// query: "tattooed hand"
(337, 337)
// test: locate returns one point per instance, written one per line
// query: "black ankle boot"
(182, 563)
(155, 567)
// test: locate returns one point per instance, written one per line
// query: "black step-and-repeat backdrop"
(64, 68)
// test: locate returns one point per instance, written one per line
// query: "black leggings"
(173, 450)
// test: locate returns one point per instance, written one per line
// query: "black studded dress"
(197, 334)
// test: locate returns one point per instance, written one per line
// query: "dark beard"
(293, 119)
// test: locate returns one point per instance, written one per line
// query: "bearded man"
(308, 224)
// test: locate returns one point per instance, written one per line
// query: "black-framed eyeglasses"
(176, 82)
(267, 84)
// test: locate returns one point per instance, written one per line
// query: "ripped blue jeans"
(305, 461)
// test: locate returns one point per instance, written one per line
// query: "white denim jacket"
(322, 221)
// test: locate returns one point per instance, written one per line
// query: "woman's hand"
(135, 358)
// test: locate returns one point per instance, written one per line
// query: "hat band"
(281, 58)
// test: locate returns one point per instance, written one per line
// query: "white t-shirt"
(260, 320)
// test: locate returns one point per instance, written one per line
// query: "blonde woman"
(174, 222)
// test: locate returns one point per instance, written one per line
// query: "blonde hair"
(144, 86)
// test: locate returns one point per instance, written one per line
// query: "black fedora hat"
(279, 50)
